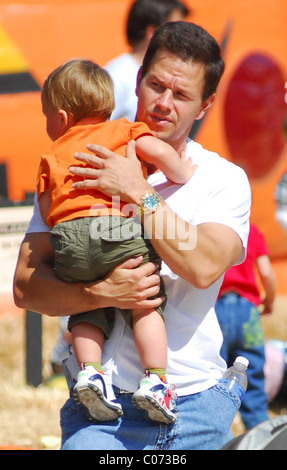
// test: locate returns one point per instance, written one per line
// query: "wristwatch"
(149, 203)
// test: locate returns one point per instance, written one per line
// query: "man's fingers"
(86, 184)
(150, 303)
(84, 172)
(90, 174)
(145, 270)
(105, 153)
(149, 269)
(89, 159)
(100, 151)
(130, 263)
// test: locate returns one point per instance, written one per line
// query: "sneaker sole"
(153, 409)
(94, 401)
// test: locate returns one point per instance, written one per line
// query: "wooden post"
(3, 182)
(33, 348)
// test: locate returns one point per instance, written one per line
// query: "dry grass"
(275, 325)
(29, 415)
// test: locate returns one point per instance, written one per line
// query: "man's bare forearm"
(200, 255)
(37, 288)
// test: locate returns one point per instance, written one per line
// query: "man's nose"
(165, 99)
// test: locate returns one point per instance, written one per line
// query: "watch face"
(150, 202)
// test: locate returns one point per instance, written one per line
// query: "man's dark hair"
(189, 42)
(144, 13)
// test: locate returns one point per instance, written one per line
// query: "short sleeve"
(42, 183)
(139, 129)
(228, 203)
(37, 224)
(259, 242)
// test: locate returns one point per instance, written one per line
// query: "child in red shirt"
(237, 310)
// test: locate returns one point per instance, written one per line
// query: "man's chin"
(160, 129)
(160, 133)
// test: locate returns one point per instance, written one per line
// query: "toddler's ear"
(66, 119)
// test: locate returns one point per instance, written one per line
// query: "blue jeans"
(243, 336)
(204, 422)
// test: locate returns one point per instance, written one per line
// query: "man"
(143, 18)
(199, 230)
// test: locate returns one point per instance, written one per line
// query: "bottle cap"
(242, 360)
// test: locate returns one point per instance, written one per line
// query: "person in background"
(143, 18)
(60, 351)
(237, 310)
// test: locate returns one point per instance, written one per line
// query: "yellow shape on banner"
(11, 59)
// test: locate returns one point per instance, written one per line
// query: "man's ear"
(139, 78)
(205, 106)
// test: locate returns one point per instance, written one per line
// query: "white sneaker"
(157, 398)
(95, 392)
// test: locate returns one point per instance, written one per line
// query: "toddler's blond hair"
(82, 88)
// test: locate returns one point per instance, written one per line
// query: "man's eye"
(180, 95)
(157, 86)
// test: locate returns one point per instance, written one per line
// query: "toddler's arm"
(165, 158)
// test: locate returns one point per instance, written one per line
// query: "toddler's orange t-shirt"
(68, 203)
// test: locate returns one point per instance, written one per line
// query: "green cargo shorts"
(87, 249)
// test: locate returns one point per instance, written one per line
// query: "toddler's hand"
(187, 163)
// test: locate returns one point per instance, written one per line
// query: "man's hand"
(111, 173)
(130, 286)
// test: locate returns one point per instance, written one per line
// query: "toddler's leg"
(150, 339)
(93, 389)
(87, 342)
(154, 394)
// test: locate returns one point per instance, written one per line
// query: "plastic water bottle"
(235, 377)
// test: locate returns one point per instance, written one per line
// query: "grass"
(28, 415)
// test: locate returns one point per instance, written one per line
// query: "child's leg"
(93, 389)
(154, 395)
(150, 340)
(87, 340)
